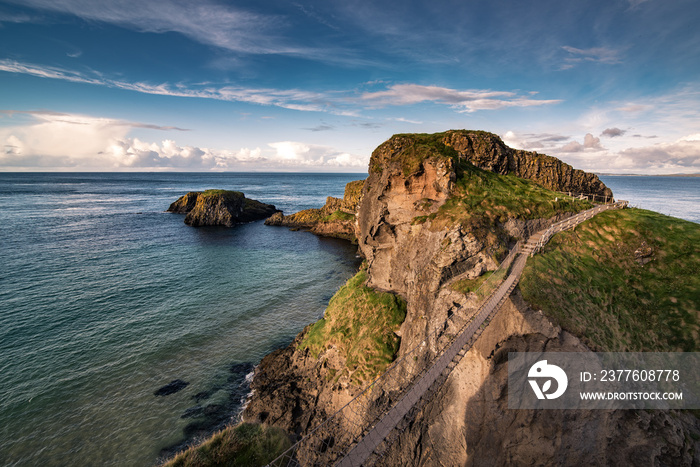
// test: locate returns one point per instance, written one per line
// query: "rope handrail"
(366, 412)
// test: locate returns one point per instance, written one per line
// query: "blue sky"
(608, 86)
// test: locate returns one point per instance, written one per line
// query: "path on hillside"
(362, 450)
(322, 440)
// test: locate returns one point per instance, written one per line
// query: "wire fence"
(353, 433)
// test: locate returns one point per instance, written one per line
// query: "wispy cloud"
(288, 99)
(405, 120)
(74, 119)
(321, 127)
(465, 101)
(534, 141)
(595, 54)
(211, 23)
(347, 103)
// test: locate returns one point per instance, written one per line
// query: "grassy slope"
(246, 444)
(590, 282)
(481, 196)
(360, 322)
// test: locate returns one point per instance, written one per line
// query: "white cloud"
(534, 141)
(590, 143)
(293, 153)
(466, 101)
(681, 156)
(55, 141)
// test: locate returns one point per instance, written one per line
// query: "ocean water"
(105, 298)
(674, 196)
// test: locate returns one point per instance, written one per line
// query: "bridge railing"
(593, 197)
(573, 221)
(330, 440)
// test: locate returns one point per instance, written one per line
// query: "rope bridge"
(357, 433)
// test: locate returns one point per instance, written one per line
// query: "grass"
(338, 216)
(481, 194)
(353, 191)
(483, 285)
(591, 282)
(208, 193)
(361, 323)
(246, 444)
(416, 148)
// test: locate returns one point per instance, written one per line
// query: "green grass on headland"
(244, 445)
(338, 216)
(361, 323)
(483, 196)
(480, 196)
(236, 194)
(626, 280)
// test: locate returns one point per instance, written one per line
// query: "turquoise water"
(674, 196)
(105, 298)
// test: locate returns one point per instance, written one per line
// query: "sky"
(609, 86)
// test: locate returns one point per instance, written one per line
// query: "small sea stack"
(220, 208)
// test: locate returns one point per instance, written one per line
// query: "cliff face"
(220, 207)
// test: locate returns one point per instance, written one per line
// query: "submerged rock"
(220, 207)
(171, 388)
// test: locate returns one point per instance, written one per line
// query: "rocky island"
(220, 207)
(435, 218)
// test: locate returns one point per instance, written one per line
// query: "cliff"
(335, 219)
(220, 207)
(436, 215)
(487, 151)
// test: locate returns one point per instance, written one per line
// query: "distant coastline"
(649, 175)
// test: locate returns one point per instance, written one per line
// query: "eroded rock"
(220, 207)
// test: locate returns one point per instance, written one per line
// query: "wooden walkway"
(362, 450)
(370, 437)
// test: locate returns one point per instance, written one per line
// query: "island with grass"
(434, 219)
(220, 208)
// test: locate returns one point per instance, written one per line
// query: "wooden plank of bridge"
(362, 450)
(365, 447)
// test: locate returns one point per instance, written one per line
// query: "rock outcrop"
(415, 246)
(335, 219)
(220, 207)
(487, 151)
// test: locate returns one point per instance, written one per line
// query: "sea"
(105, 299)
